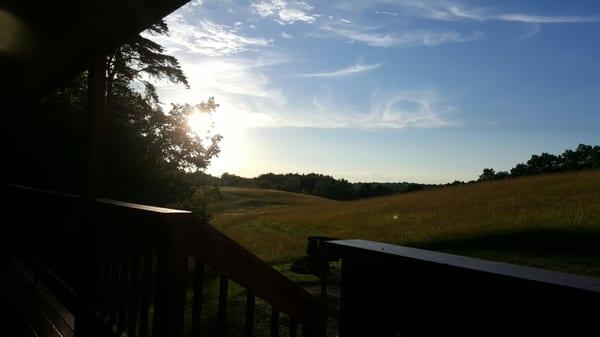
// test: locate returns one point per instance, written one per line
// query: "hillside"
(550, 221)
(242, 199)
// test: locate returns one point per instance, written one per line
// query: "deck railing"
(389, 290)
(142, 271)
(125, 268)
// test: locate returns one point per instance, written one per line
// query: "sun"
(233, 122)
(227, 124)
(201, 123)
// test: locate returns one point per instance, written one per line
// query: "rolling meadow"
(549, 221)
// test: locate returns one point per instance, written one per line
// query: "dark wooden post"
(96, 125)
(171, 280)
(362, 300)
(91, 186)
(388, 290)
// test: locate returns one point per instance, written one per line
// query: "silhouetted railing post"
(362, 300)
(170, 283)
(96, 121)
(389, 290)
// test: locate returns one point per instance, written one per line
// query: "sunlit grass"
(547, 221)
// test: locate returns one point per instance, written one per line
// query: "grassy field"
(550, 221)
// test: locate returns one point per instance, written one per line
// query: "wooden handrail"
(124, 259)
(235, 262)
(415, 292)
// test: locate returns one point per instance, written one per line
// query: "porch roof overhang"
(43, 43)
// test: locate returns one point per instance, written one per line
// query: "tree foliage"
(487, 175)
(150, 155)
(583, 157)
(144, 61)
(319, 185)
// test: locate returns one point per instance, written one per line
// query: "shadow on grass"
(568, 250)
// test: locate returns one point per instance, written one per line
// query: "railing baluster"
(274, 323)
(249, 323)
(105, 290)
(114, 291)
(134, 292)
(171, 273)
(293, 328)
(123, 293)
(222, 315)
(101, 274)
(197, 303)
(145, 288)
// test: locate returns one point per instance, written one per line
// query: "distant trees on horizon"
(318, 184)
(582, 157)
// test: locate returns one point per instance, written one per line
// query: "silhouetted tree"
(488, 174)
(501, 175)
(583, 157)
(544, 163)
(150, 155)
(519, 170)
(142, 60)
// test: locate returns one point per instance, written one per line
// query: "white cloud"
(402, 109)
(405, 38)
(206, 38)
(390, 110)
(285, 35)
(345, 21)
(535, 30)
(434, 10)
(265, 9)
(449, 11)
(284, 12)
(375, 40)
(386, 13)
(352, 70)
(245, 94)
(546, 19)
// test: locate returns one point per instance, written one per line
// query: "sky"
(393, 90)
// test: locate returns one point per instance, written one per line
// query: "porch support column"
(96, 121)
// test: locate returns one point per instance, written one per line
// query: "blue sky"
(404, 90)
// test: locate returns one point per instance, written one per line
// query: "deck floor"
(27, 307)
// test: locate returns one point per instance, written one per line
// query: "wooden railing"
(389, 290)
(140, 270)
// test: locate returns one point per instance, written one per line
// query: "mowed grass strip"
(550, 221)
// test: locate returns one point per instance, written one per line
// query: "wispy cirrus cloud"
(284, 12)
(390, 13)
(535, 30)
(402, 38)
(388, 110)
(403, 109)
(545, 19)
(344, 72)
(453, 11)
(206, 38)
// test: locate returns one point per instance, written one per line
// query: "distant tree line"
(315, 184)
(583, 157)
